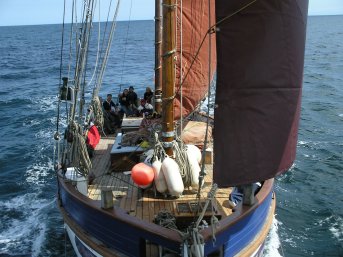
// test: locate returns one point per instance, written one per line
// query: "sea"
(309, 214)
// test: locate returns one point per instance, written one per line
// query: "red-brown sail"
(258, 93)
(195, 24)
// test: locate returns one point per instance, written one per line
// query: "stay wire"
(78, 45)
(103, 38)
(107, 52)
(71, 36)
(127, 35)
(97, 52)
(60, 78)
(56, 136)
(202, 171)
(83, 84)
(82, 54)
(181, 68)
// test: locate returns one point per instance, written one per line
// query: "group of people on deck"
(129, 104)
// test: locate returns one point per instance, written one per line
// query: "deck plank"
(138, 202)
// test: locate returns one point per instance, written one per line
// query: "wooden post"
(106, 199)
(168, 74)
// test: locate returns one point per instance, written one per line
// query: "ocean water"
(309, 216)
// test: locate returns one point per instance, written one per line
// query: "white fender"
(81, 181)
(196, 151)
(160, 181)
(173, 177)
(194, 165)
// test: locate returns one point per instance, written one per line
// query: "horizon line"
(40, 24)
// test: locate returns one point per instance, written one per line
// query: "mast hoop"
(168, 98)
(169, 53)
(159, 67)
(170, 6)
(168, 144)
(168, 134)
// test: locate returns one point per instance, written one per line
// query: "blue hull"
(120, 232)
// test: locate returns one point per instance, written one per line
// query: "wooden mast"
(158, 42)
(168, 73)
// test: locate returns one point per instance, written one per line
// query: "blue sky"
(26, 12)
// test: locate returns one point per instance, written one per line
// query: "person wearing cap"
(132, 97)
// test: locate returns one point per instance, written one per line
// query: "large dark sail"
(260, 63)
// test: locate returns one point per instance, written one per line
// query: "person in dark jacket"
(112, 119)
(148, 95)
(132, 97)
(124, 101)
(108, 104)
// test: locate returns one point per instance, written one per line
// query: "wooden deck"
(145, 204)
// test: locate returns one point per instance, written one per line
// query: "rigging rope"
(71, 37)
(181, 71)
(57, 134)
(96, 108)
(182, 160)
(77, 151)
(60, 78)
(81, 58)
(90, 13)
(96, 105)
(107, 52)
(202, 171)
(104, 36)
(97, 52)
(79, 157)
(127, 35)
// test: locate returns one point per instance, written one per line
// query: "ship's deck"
(145, 204)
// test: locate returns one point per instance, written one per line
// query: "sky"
(26, 12)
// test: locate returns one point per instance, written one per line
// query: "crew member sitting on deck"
(124, 102)
(111, 114)
(108, 104)
(132, 97)
(145, 108)
(148, 95)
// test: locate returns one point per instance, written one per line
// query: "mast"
(168, 74)
(158, 42)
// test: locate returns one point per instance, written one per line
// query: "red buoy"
(142, 174)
